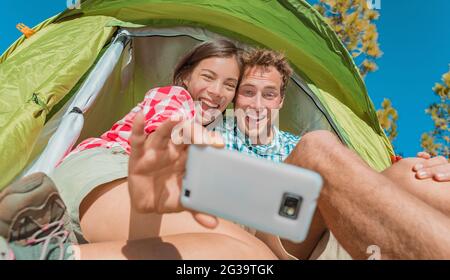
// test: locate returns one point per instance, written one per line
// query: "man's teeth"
(256, 118)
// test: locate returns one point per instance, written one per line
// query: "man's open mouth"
(255, 118)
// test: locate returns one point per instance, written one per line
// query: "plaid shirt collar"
(281, 146)
(270, 148)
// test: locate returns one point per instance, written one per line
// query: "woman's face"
(212, 84)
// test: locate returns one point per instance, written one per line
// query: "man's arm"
(304, 249)
(362, 207)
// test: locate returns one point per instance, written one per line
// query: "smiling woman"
(220, 60)
(213, 84)
(95, 179)
(209, 70)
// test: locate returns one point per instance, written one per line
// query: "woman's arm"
(157, 166)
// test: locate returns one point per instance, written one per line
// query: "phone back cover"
(247, 190)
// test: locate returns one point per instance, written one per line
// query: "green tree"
(353, 22)
(437, 142)
(388, 117)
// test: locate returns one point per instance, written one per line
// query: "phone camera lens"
(187, 193)
(290, 206)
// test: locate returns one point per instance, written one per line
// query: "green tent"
(85, 68)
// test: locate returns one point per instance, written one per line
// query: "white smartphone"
(275, 198)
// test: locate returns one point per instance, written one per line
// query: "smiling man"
(251, 129)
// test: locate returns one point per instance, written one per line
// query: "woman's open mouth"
(209, 109)
(207, 105)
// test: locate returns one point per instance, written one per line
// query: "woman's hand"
(437, 168)
(157, 166)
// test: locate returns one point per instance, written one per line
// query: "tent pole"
(72, 122)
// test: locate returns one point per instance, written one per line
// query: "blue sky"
(415, 39)
(414, 36)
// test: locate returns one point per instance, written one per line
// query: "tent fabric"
(290, 26)
(21, 39)
(72, 122)
(37, 73)
(36, 76)
(374, 148)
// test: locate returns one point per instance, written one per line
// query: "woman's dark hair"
(218, 48)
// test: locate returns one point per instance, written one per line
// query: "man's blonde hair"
(267, 58)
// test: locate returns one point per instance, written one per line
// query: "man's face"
(257, 102)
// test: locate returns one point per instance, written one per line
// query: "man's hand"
(437, 168)
(157, 166)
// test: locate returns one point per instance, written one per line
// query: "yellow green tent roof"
(37, 73)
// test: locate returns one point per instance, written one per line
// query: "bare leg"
(436, 194)
(182, 246)
(107, 215)
(362, 207)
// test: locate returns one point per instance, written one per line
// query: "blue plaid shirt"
(281, 146)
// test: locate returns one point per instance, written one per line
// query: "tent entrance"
(137, 60)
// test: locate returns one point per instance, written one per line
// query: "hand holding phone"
(271, 197)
